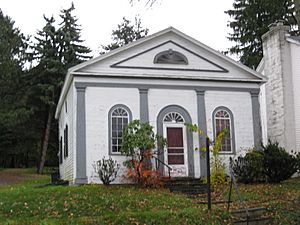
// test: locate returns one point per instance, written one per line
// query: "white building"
(166, 79)
(281, 94)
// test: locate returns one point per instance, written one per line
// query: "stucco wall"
(295, 55)
(281, 96)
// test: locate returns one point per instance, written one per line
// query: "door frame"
(190, 145)
(185, 149)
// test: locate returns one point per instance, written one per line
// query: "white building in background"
(280, 96)
(166, 79)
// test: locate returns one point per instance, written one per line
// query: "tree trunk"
(46, 140)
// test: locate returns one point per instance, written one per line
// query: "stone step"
(255, 216)
(186, 185)
(255, 221)
(253, 212)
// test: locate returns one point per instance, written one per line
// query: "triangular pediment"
(195, 62)
(138, 59)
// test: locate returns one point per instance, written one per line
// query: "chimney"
(279, 96)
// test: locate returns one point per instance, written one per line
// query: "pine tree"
(56, 51)
(72, 50)
(251, 19)
(125, 34)
(47, 78)
(13, 111)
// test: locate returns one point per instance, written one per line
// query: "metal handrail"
(233, 181)
(158, 161)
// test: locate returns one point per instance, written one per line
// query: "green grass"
(29, 203)
(282, 200)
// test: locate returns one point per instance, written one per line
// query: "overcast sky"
(203, 20)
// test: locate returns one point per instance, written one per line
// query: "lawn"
(27, 202)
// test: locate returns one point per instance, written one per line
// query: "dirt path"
(13, 176)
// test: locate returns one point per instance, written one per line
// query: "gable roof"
(205, 65)
(97, 59)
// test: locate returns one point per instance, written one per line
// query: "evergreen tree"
(56, 50)
(251, 19)
(125, 34)
(13, 111)
(71, 49)
(47, 78)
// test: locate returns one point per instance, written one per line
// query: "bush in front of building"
(107, 170)
(279, 165)
(273, 164)
(250, 168)
(139, 140)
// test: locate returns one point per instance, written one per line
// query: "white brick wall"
(241, 107)
(160, 98)
(98, 103)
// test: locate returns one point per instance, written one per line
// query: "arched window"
(119, 117)
(223, 120)
(170, 57)
(173, 117)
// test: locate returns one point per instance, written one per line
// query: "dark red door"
(175, 149)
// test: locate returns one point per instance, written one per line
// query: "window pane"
(114, 149)
(222, 121)
(120, 141)
(114, 123)
(119, 120)
(114, 134)
(175, 159)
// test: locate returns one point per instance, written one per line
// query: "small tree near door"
(218, 175)
(139, 141)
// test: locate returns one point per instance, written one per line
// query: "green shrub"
(250, 168)
(279, 165)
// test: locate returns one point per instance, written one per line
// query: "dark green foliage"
(272, 165)
(71, 49)
(14, 112)
(125, 34)
(250, 168)
(278, 164)
(250, 20)
(56, 50)
(107, 170)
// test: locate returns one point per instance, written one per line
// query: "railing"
(233, 182)
(159, 162)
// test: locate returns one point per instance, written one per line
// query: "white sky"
(203, 20)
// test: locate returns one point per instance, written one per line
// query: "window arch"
(119, 117)
(170, 57)
(173, 117)
(223, 119)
